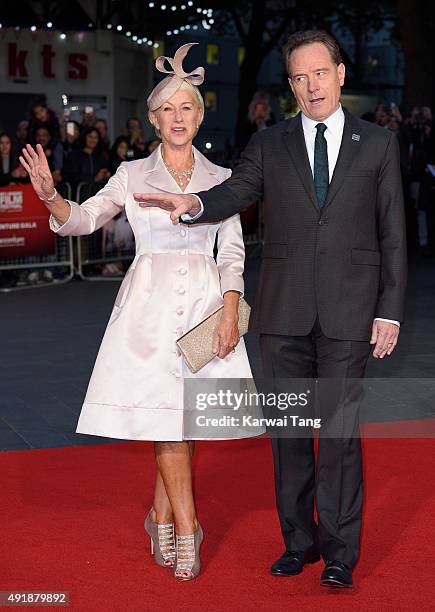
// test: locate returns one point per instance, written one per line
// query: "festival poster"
(24, 229)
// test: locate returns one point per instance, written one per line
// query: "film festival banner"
(24, 229)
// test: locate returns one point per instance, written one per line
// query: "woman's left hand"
(226, 335)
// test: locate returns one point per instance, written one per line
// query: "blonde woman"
(136, 388)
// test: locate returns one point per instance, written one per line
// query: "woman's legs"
(173, 497)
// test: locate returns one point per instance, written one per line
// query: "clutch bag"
(196, 344)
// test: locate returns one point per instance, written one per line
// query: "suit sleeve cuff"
(388, 321)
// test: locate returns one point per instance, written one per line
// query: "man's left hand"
(384, 336)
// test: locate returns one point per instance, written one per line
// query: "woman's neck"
(178, 157)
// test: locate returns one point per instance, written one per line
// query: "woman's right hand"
(36, 164)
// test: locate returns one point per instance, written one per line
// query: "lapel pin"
(356, 137)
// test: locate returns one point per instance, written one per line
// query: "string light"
(206, 22)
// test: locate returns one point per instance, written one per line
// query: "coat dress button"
(182, 271)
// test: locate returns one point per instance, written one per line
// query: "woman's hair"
(194, 93)
(114, 149)
(259, 98)
(85, 133)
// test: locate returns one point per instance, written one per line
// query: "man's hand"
(384, 336)
(177, 204)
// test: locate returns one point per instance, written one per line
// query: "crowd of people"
(416, 137)
(76, 152)
(82, 153)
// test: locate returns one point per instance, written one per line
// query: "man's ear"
(291, 84)
(341, 73)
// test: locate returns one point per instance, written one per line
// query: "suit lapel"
(295, 143)
(350, 146)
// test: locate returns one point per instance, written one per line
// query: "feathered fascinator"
(171, 84)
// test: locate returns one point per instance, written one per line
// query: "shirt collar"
(334, 122)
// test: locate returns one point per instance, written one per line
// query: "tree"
(263, 25)
(416, 32)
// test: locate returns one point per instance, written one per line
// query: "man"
(136, 148)
(332, 282)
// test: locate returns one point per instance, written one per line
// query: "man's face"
(133, 126)
(315, 80)
(42, 137)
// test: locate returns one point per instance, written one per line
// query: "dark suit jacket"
(345, 263)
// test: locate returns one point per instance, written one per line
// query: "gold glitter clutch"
(196, 344)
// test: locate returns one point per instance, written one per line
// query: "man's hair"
(307, 37)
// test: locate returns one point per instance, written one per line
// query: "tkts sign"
(17, 60)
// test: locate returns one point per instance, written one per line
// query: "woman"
(118, 153)
(88, 163)
(10, 170)
(136, 389)
(42, 116)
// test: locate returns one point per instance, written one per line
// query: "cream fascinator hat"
(171, 84)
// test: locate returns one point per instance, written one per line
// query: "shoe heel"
(152, 546)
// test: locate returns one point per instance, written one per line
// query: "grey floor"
(50, 338)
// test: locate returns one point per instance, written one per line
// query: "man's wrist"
(196, 209)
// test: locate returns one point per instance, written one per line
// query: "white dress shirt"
(333, 135)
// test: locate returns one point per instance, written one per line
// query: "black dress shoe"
(292, 562)
(336, 574)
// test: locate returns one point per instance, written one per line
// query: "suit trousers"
(335, 484)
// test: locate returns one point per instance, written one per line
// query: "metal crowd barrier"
(43, 270)
(100, 256)
(107, 253)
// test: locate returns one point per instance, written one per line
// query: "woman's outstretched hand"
(36, 165)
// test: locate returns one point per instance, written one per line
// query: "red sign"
(77, 66)
(24, 228)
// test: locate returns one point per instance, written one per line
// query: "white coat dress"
(136, 388)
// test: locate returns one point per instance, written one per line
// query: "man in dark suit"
(332, 282)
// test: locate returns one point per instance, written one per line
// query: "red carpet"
(72, 520)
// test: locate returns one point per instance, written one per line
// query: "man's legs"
(339, 484)
(292, 357)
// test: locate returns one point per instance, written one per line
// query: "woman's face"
(41, 113)
(178, 118)
(91, 140)
(5, 146)
(122, 150)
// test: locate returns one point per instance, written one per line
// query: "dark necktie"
(321, 168)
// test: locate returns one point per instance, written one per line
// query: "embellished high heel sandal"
(187, 565)
(162, 541)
